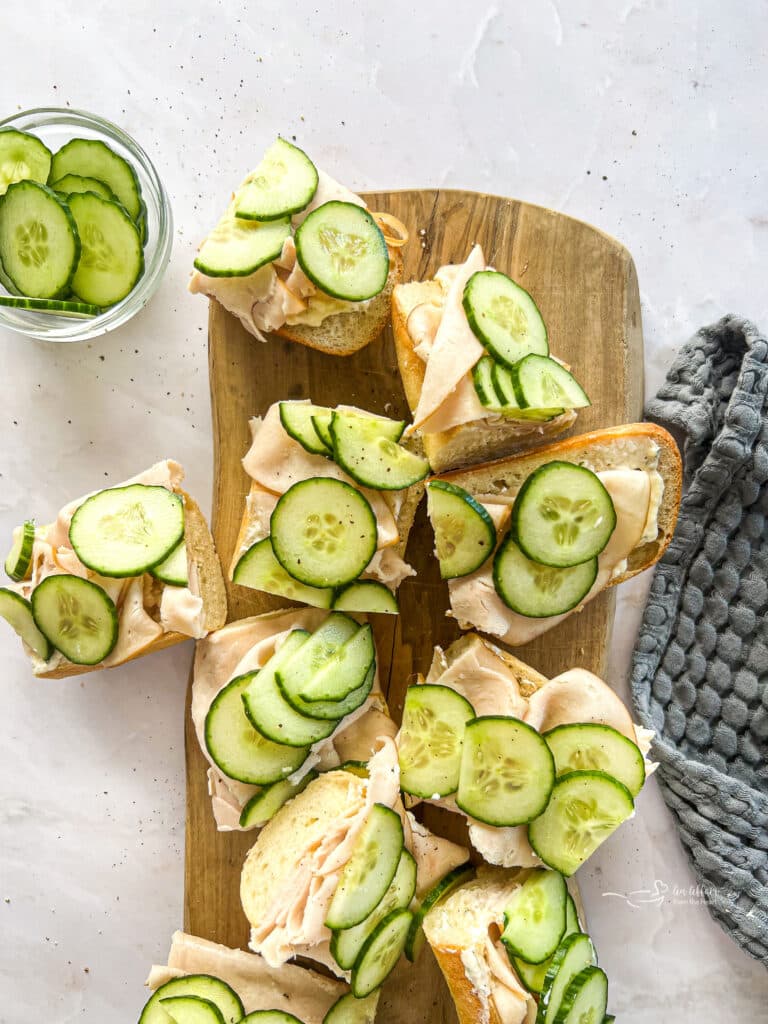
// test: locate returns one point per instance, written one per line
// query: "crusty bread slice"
(343, 334)
(631, 446)
(526, 677)
(469, 443)
(203, 563)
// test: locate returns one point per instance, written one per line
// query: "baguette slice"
(468, 443)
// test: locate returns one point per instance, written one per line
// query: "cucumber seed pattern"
(32, 243)
(343, 248)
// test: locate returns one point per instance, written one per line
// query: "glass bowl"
(55, 126)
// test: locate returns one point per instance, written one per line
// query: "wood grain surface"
(585, 284)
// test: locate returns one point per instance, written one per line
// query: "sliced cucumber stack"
(262, 807)
(585, 999)
(572, 956)
(39, 241)
(535, 590)
(535, 918)
(342, 250)
(299, 671)
(77, 617)
(283, 183)
(72, 183)
(542, 383)
(415, 940)
(482, 378)
(380, 953)
(297, 421)
(464, 532)
(202, 986)
(112, 257)
(590, 746)
(91, 158)
(23, 157)
(370, 457)
(507, 772)
(366, 596)
(344, 671)
(431, 738)
(259, 569)
(504, 317)
(533, 976)
(17, 612)
(20, 556)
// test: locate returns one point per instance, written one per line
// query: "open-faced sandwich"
(206, 983)
(512, 950)
(298, 254)
(119, 573)
(474, 358)
(333, 495)
(543, 770)
(527, 540)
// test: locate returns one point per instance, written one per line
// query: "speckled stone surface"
(637, 117)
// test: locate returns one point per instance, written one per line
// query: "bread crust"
(202, 551)
(469, 1006)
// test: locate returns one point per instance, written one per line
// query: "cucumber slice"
(323, 532)
(542, 383)
(369, 871)
(17, 612)
(366, 596)
(573, 954)
(270, 713)
(321, 421)
(358, 768)
(380, 953)
(349, 1010)
(23, 157)
(431, 738)
(237, 749)
(312, 656)
(337, 709)
(39, 242)
(124, 531)
(536, 590)
(341, 249)
(503, 386)
(535, 919)
(507, 771)
(585, 999)
(265, 805)
(237, 248)
(6, 282)
(534, 975)
(482, 378)
(283, 183)
(173, 570)
(584, 810)
(191, 1010)
(259, 569)
(112, 256)
(563, 515)
(371, 459)
(415, 940)
(464, 532)
(71, 183)
(20, 556)
(296, 418)
(56, 307)
(344, 671)
(77, 617)
(91, 158)
(587, 746)
(504, 317)
(141, 224)
(347, 943)
(204, 986)
(270, 1017)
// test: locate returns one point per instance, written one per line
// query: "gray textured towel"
(700, 670)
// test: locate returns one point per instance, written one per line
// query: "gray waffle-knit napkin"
(700, 670)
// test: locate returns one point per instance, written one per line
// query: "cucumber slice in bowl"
(535, 918)
(369, 871)
(342, 250)
(588, 746)
(323, 532)
(585, 999)
(431, 738)
(350, 1010)
(264, 805)
(563, 515)
(23, 157)
(237, 248)
(542, 383)
(237, 749)
(380, 953)
(39, 241)
(124, 531)
(20, 556)
(372, 459)
(536, 590)
(507, 772)
(112, 256)
(260, 570)
(283, 183)
(574, 953)
(415, 939)
(77, 183)
(366, 596)
(464, 532)
(77, 617)
(191, 1010)
(173, 570)
(296, 418)
(504, 317)
(204, 986)
(533, 976)
(17, 612)
(56, 307)
(92, 158)
(584, 810)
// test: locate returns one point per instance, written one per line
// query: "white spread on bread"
(280, 292)
(141, 619)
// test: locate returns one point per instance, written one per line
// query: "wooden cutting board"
(586, 287)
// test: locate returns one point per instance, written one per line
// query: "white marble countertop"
(644, 119)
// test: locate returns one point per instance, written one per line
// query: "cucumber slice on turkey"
(585, 999)
(342, 672)
(39, 241)
(173, 570)
(297, 673)
(366, 596)
(237, 247)
(335, 710)
(535, 590)
(270, 1017)
(349, 1010)
(204, 986)
(464, 532)
(592, 746)
(91, 158)
(191, 1010)
(296, 418)
(380, 953)
(431, 738)
(535, 917)
(265, 804)
(533, 976)
(23, 157)
(371, 458)
(542, 383)
(504, 317)
(20, 556)
(77, 617)
(574, 953)
(17, 612)
(342, 250)
(283, 183)
(260, 570)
